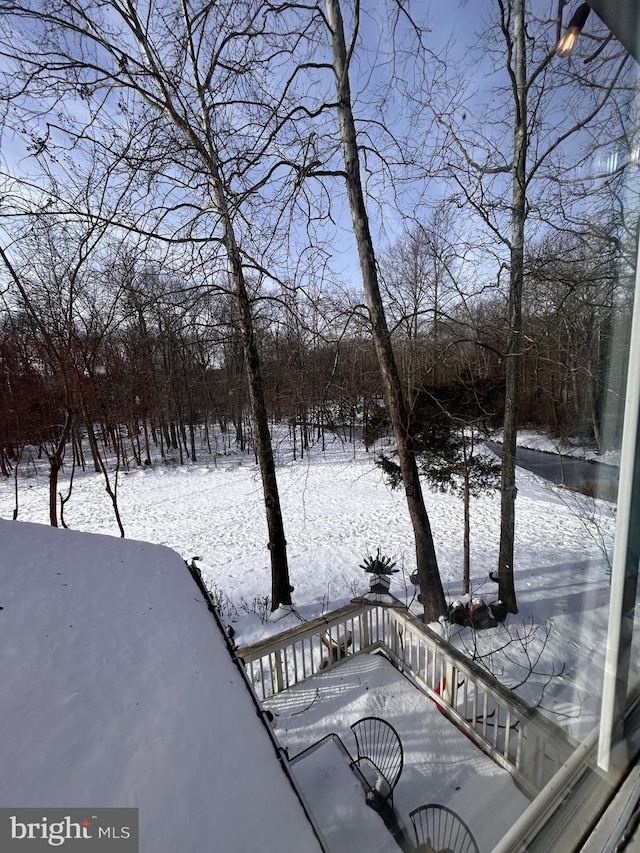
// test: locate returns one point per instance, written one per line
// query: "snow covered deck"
(441, 764)
(519, 739)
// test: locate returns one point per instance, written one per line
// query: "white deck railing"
(520, 739)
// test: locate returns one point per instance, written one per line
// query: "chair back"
(438, 829)
(378, 742)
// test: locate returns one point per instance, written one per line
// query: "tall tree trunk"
(206, 147)
(432, 593)
(192, 435)
(466, 544)
(513, 355)
(93, 444)
(280, 585)
(55, 463)
(112, 491)
(145, 427)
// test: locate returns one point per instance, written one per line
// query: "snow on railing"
(520, 739)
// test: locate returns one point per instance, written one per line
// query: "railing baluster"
(474, 706)
(519, 745)
(465, 697)
(272, 673)
(262, 678)
(252, 676)
(485, 714)
(364, 630)
(425, 660)
(496, 725)
(507, 733)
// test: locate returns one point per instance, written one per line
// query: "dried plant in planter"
(379, 565)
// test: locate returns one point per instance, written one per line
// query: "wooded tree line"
(155, 363)
(178, 185)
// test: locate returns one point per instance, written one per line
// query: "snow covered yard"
(440, 764)
(337, 510)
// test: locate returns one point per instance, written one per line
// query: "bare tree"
(67, 316)
(207, 74)
(510, 171)
(419, 288)
(427, 565)
(527, 86)
(516, 45)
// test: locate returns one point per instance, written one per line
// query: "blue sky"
(455, 26)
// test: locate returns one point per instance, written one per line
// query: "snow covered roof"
(118, 690)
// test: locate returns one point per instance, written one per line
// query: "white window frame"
(626, 557)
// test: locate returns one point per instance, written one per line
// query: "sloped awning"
(118, 690)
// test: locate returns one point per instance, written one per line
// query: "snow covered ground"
(337, 510)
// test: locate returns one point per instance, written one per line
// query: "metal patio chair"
(380, 759)
(438, 829)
